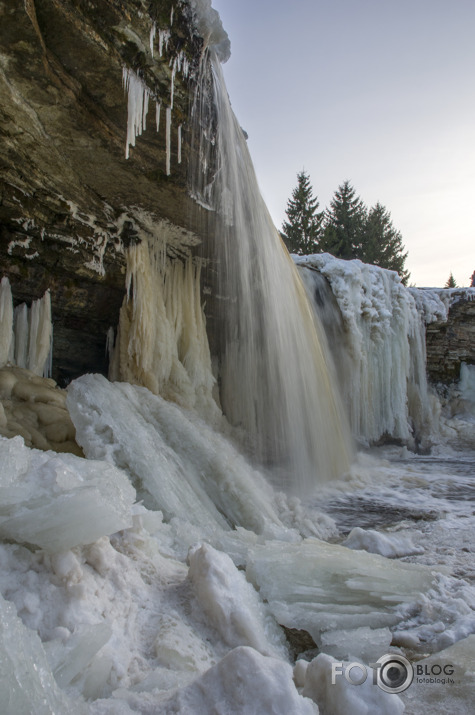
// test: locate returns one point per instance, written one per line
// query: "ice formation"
(138, 96)
(389, 545)
(172, 603)
(75, 503)
(379, 349)
(162, 341)
(26, 334)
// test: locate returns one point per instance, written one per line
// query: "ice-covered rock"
(57, 501)
(390, 545)
(231, 603)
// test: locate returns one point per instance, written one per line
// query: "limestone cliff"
(451, 342)
(70, 201)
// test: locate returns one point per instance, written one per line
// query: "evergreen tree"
(382, 243)
(450, 282)
(303, 230)
(344, 224)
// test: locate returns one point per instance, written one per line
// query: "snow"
(242, 682)
(173, 613)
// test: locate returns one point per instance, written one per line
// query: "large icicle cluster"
(380, 354)
(162, 341)
(26, 334)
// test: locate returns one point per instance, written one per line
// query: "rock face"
(70, 202)
(452, 342)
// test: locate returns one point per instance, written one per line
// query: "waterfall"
(276, 386)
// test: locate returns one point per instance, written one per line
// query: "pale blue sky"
(380, 92)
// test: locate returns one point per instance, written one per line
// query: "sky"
(377, 92)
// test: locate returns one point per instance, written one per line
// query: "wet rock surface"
(70, 202)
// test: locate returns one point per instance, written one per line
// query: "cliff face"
(70, 202)
(451, 342)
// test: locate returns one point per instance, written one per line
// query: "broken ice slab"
(390, 545)
(68, 659)
(367, 644)
(27, 684)
(318, 587)
(56, 501)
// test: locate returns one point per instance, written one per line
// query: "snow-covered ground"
(112, 605)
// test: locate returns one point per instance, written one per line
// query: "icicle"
(110, 342)
(172, 89)
(179, 144)
(163, 38)
(6, 320)
(41, 331)
(168, 137)
(137, 106)
(21, 335)
(157, 115)
(152, 36)
(48, 366)
(161, 342)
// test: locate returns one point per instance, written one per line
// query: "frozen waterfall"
(376, 331)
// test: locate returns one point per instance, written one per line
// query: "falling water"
(275, 380)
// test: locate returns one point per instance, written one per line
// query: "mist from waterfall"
(276, 382)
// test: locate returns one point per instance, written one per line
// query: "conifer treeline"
(347, 229)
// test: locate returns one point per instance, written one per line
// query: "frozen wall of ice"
(162, 341)
(26, 334)
(377, 333)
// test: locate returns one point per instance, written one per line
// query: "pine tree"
(303, 230)
(382, 243)
(344, 223)
(450, 282)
